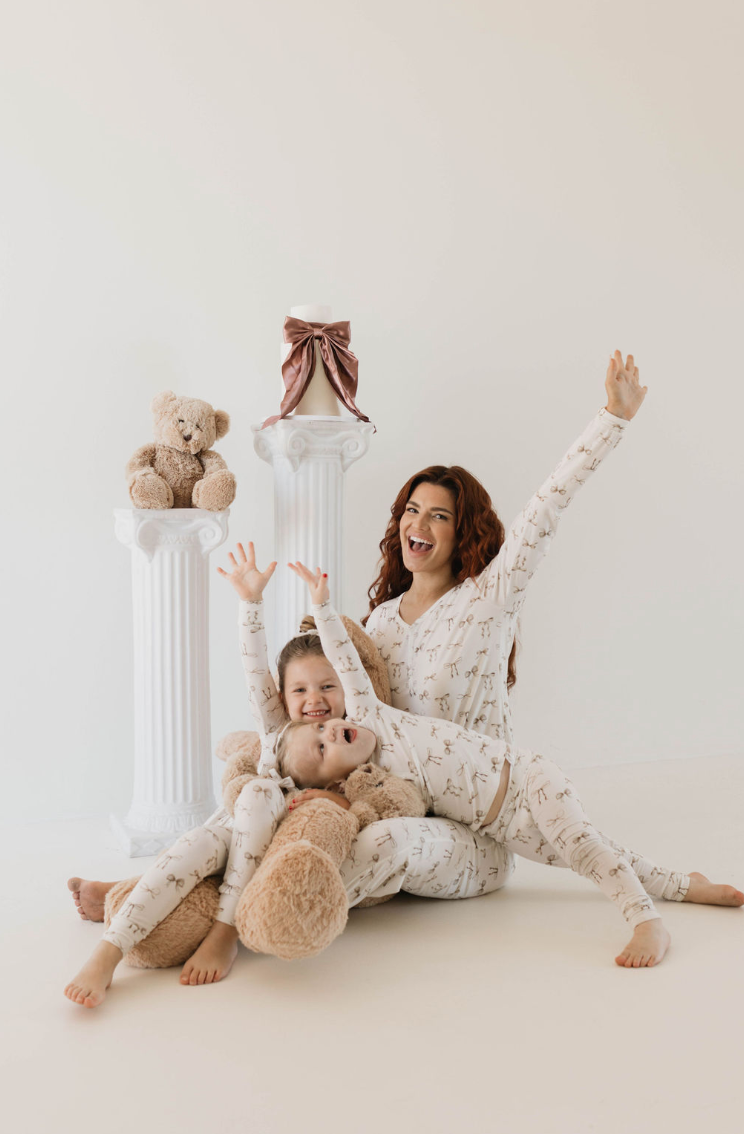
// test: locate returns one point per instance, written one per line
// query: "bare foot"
(90, 985)
(646, 947)
(214, 958)
(89, 897)
(706, 893)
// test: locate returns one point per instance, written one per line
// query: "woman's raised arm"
(529, 539)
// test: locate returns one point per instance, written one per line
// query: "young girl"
(513, 796)
(309, 692)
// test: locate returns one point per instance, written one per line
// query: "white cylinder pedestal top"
(173, 789)
(309, 456)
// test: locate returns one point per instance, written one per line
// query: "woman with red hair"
(443, 613)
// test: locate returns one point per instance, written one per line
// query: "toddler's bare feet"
(89, 986)
(704, 892)
(214, 958)
(646, 947)
(89, 897)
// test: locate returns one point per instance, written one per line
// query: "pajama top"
(456, 770)
(453, 661)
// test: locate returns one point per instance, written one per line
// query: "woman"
(443, 614)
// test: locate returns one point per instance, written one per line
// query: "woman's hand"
(245, 576)
(317, 584)
(624, 392)
(318, 793)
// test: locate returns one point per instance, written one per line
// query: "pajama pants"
(233, 844)
(542, 819)
(432, 858)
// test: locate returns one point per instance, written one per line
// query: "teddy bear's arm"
(361, 699)
(268, 711)
(141, 461)
(211, 462)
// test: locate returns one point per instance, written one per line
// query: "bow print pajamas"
(452, 663)
(458, 772)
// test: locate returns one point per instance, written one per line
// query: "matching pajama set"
(458, 772)
(451, 664)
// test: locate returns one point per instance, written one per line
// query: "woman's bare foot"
(89, 986)
(706, 893)
(214, 958)
(89, 897)
(646, 947)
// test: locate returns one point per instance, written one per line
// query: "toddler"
(515, 797)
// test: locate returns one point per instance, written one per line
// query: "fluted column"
(309, 456)
(172, 738)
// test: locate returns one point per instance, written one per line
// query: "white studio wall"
(497, 197)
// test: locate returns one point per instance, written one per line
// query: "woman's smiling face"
(428, 537)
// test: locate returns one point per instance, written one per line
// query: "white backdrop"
(497, 196)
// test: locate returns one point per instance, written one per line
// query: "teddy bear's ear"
(221, 423)
(162, 402)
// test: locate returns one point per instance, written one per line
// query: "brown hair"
(479, 534)
(304, 646)
(283, 755)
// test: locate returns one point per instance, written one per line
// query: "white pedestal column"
(172, 746)
(309, 456)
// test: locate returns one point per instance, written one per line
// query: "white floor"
(501, 1013)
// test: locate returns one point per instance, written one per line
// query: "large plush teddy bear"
(180, 469)
(313, 841)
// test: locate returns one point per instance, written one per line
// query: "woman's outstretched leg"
(542, 819)
(160, 889)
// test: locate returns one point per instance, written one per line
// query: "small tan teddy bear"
(180, 470)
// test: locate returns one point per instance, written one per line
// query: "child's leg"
(258, 811)
(194, 856)
(547, 819)
(432, 858)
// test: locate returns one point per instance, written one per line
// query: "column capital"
(153, 529)
(305, 437)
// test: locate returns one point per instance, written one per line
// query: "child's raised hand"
(245, 576)
(317, 583)
(624, 391)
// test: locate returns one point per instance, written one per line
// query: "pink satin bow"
(340, 365)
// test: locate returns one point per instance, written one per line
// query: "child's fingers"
(241, 552)
(221, 572)
(231, 557)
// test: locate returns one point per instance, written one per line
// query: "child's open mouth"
(419, 546)
(316, 714)
(350, 735)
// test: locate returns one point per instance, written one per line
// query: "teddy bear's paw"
(150, 491)
(296, 907)
(215, 492)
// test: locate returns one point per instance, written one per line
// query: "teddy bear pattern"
(180, 469)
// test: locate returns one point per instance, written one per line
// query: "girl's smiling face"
(312, 691)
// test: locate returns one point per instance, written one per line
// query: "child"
(515, 797)
(309, 691)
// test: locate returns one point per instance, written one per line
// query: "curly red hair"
(479, 536)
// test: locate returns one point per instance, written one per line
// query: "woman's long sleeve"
(529, 538)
